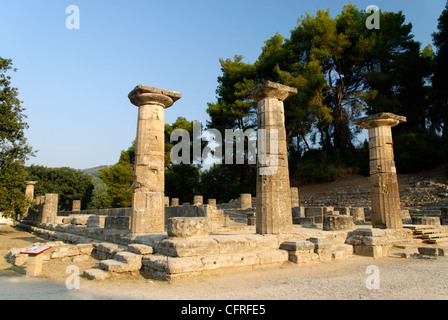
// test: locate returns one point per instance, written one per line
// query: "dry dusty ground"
(399, 279)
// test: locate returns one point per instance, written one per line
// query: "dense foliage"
(14, 148)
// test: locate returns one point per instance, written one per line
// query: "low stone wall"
(118, 212)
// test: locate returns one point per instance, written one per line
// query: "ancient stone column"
(198, 200)
(29, 194)
(246, 200)
(166, 201)
(211, 202)
(148, 210)
(294, 197)
(50, 208)
(273, 212)
(174, 202)
(386, 211)
(76, 205)
(29, 191)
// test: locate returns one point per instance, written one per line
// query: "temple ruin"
(164, 240)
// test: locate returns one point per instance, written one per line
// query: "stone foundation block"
(372, 251)
(431, 221)
(297, 246)
(104, 250)
(185, 247)
(303, 258)
(96, 221)
(64, 251)
(96, 274)
(320, 242)
(140, 249)
(118, 223)
(325, 254)
(273, 256)
(188, 227)
(335, 223)
(430, 251)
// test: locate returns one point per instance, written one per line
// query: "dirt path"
(399, 279)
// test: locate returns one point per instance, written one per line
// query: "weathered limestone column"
(273, 212)
(148, 210)
(174, 202)
(198, 200)
(50, 208)
(29, 194)
(246, 200)
(29, 191)
(294, 197)
(76, 205)
(386, 211)
(211, 202)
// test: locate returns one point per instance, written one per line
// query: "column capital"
(379, 119)
(146, 95)
(271, 89)
(32, 183)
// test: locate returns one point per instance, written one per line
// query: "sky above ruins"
(74, 83)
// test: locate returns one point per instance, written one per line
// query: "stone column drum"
(29, 194)
(386, 211)
(76, 205)
(273, 211)
(50, 208)
(29, 191)
(148, 210)
(245, 200)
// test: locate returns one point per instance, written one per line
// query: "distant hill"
(94, 171)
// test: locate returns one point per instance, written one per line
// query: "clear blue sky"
(74, 83)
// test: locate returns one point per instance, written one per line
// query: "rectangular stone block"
(372, 251)
(185, 247)
(305, 221)
(119, 223)
(430, 251)
(431, 221)
(320, 242)
(303, 258)
(335, 223)
(183, 265)
(297, 245)
(96, 221)
(298, 212)
(273, 256)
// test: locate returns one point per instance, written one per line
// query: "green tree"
(14, 148)
(119, 179)
(181, 181)
(438, 112)
(70, 184)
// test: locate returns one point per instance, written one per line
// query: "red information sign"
(35, 250)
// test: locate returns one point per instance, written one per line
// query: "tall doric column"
(148, 212)
(386, 210)
(273, 212)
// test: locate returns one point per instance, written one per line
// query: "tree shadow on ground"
(27, 239)
(13, 271)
